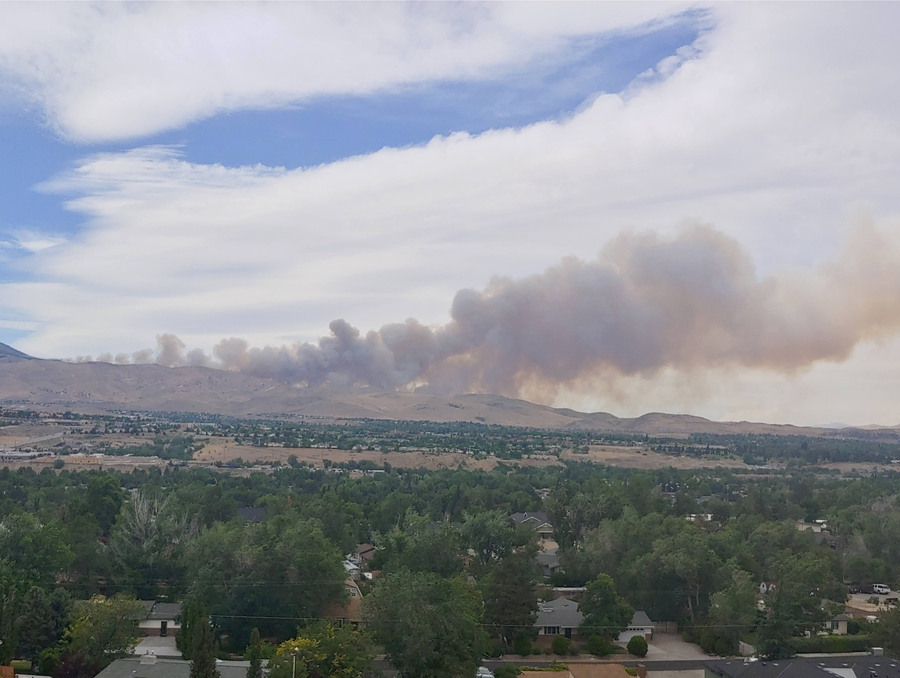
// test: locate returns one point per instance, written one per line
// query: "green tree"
(794, 606)
(491, 535)
(103, 629)
(254, 655)
(605, 612)
(733, 611)
(203, 653)
(510, 597)
(886, 633)
(324, 651)
(149, 540)
(270, 575)
(43, 617)
(429, 625)
(421, 546)
(35, 551)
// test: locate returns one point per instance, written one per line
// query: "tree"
(149, 540)
(269, 575)
(428, 625)
(886, 633)
(420, 546)
(254, 655)
(510, 597)
(794, 605)
(491, 535)
(103, 629)
(193, 614)
(203, 656)
(42, 620)
(732, 610)
(324, 651)
(606, 613)
(35, 551)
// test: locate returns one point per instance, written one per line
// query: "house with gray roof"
(150, 666)
(811, 667)
(558, 617)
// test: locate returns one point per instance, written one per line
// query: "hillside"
(97, 387)
(8, 353)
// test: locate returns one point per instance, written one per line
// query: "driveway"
(671, 646)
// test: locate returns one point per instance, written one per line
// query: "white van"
(881, 589)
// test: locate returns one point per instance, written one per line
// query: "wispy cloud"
(124, 70)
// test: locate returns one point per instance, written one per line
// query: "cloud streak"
(106, 71)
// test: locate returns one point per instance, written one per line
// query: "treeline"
(761, 449)
(177, 534)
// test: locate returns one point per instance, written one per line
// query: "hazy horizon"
(620, 207)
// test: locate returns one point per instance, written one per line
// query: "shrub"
(561, 645)
(722, 647)
(559, 578)
(522, 645)
(831, 644)
(637, 646)
(599, 646)
(507, 671)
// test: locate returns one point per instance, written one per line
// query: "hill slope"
(8, 353)
(91, 387)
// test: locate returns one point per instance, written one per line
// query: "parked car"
(484, 672)
(881, 589)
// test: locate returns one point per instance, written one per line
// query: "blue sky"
(261, 170)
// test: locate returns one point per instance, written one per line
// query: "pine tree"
(203, 661)
(254, 655)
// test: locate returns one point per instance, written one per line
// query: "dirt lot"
(219, 449)
(642, 458)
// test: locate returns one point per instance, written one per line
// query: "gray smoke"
(647, 303)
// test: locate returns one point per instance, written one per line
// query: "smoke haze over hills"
(690, 302)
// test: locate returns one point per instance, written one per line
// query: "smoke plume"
(647, 303)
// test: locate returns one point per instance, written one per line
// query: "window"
(551, 630)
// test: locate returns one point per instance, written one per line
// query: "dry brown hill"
(92, 387)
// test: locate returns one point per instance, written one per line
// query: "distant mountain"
(99, 387)
(9, 353)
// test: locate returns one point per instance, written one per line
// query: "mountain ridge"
(103, 387)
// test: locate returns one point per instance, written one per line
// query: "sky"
(626, 207)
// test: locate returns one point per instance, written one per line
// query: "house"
(251, 515)
(640, 625)
(549, 563)
(161, 618)
(362, 556)
(349, 612)
(837, 625)
(535, 521)
(817, 667)
(150, 666)
(558, 617)
(352, 569)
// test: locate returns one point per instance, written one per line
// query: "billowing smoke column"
(647, 303)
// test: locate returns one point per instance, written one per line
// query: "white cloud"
(778, 127)
(123, 70)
